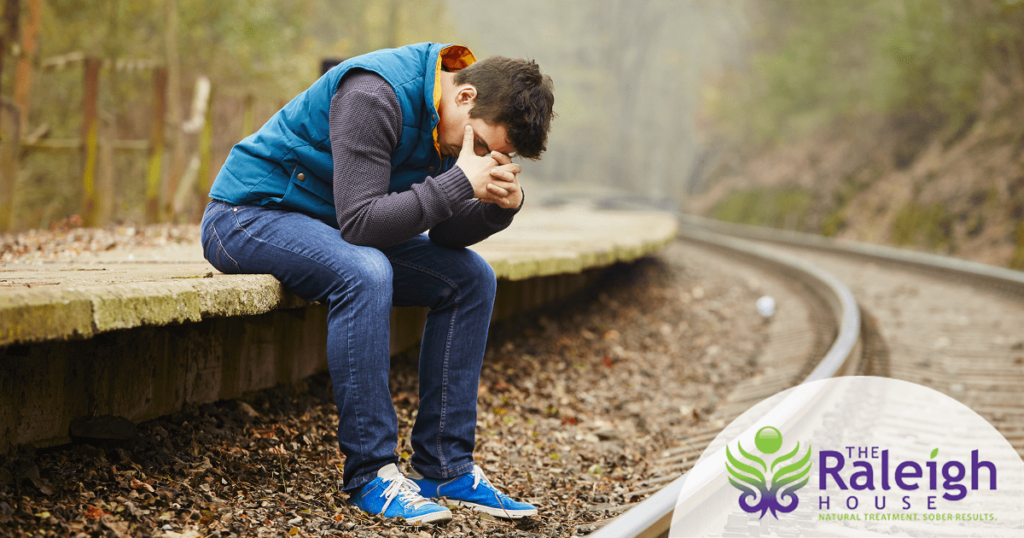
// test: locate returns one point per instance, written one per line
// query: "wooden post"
(9, 26)
(156, 140)
(23, 75)
(90, 128)
(174, 106)
(9, 121)
(10, 151)
(205, 152)
(106, 168)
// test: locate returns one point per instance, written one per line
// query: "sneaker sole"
(496, 512)
(433, 517)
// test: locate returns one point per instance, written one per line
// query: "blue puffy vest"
(288, 162)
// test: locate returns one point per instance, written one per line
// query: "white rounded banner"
(855, 456)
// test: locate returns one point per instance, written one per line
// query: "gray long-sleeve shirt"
(365, 124)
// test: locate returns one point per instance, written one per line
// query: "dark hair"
(513, 92)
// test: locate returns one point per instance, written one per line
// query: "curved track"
(954, 326)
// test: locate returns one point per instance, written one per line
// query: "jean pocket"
(216, 254)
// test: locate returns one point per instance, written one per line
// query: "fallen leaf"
(138, 484)
(187, 533)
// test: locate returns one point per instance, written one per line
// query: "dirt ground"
(955, 190)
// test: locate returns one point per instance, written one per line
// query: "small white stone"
(766, 306)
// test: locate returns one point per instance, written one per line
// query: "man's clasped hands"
(495, 178)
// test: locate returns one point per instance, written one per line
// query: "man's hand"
(504, 190)
(477, 168)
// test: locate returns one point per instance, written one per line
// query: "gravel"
(576, 403)
(67, 242)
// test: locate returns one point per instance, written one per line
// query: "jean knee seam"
(444, 383)
(447, 351)
(360, 423)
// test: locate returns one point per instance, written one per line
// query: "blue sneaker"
(391, 494)
(474, 491)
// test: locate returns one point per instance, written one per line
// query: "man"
(333, 196)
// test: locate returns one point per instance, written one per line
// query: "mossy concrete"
(141, 338)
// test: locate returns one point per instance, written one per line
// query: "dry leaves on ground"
(574, 405)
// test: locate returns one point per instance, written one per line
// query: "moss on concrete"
(36, 315)
(540, 244)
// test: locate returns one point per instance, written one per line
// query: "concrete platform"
(139, 334)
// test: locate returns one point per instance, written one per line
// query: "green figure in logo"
(757, 495)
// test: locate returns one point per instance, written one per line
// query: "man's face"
(451, 129)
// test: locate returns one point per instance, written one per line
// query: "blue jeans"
(359, 285)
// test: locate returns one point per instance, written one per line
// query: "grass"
(776, 207)
(929, 226)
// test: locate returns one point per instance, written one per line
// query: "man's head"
(511, 97)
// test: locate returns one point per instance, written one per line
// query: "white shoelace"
(401, 487)
(478, 476)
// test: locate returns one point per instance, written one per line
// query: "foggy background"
(629, 79)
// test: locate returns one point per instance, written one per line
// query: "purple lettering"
(885, 470)
(952, 482)
(976, 466)
(864, 478)
(824, 470)
(902, 472)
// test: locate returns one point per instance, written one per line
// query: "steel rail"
(997, 276)
(653, 517)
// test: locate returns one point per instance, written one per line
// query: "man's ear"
(466, 95)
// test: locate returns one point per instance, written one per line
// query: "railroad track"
(950, 325)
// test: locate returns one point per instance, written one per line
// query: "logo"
(876, 456)
(788, 473)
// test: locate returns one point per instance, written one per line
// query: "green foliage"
(822, 62)
(785, 207)
(833, 224)
(1017, 261)
(929, 226)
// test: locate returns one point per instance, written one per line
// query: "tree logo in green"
(788, 473)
